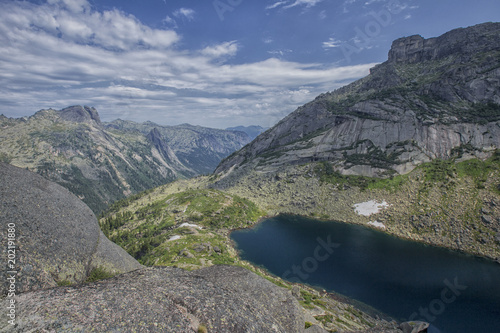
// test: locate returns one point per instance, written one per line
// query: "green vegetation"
(64, 283)
(445, 172)
(324, 170)
(146, 231)
(5, 158)
(439, 171)
(98, 273)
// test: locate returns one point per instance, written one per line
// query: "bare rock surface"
(164, 299)
(57, 236)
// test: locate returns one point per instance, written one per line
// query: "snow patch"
(377, 224)
(370, 207)
(190, 225)
(174, 238)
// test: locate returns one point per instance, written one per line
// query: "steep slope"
(101, 162)
(55, 237)
(433, 98)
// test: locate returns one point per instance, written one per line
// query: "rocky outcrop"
(57, 237)
(80, 114)
(413, 49)
(219, 298)
(414, 327)
(435, 98)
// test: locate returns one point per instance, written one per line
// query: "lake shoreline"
(434, 254)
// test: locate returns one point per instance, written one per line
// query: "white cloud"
(220, 50)
(65, 52)
(332, 43)
(290, 4)
(75, 6)
(184, 13)
(276, 4)
(307, 3)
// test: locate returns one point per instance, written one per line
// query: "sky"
(214, 63)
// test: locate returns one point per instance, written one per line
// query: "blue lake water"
(403, 279)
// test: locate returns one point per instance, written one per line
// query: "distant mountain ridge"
(433, 98)
(102, 162)
(253, 131)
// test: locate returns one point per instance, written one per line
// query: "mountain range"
(252, 131)
(104, 162)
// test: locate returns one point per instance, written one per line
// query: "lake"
(403, 279)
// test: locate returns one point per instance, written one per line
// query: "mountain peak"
(80, 114)
(464, 41)
(433, 98)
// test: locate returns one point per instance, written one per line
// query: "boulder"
(57, 237)
(186, 253)
(487, 219)
(164, 299)
(414, 326)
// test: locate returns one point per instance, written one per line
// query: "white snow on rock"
(377, 224)
(370, 207)
(190, 225)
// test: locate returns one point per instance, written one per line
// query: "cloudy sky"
(215, 63)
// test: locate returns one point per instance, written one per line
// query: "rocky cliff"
(433, 98)
(57, 239)
(103, 162)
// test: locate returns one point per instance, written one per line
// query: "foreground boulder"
(164, 299)
(57, 237)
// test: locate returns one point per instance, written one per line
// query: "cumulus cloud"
(64, 52)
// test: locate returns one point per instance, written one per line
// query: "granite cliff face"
(433, 98)
(219, 298)
(103, 162)
(57, 237)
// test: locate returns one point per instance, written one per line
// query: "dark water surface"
(406, 280)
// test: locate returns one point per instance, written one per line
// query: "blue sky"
(215, 63)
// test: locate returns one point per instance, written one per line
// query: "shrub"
(98, 273)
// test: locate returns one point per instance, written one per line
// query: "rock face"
(80, 114)
(57, 236)
(433, 98)
(219, 298)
